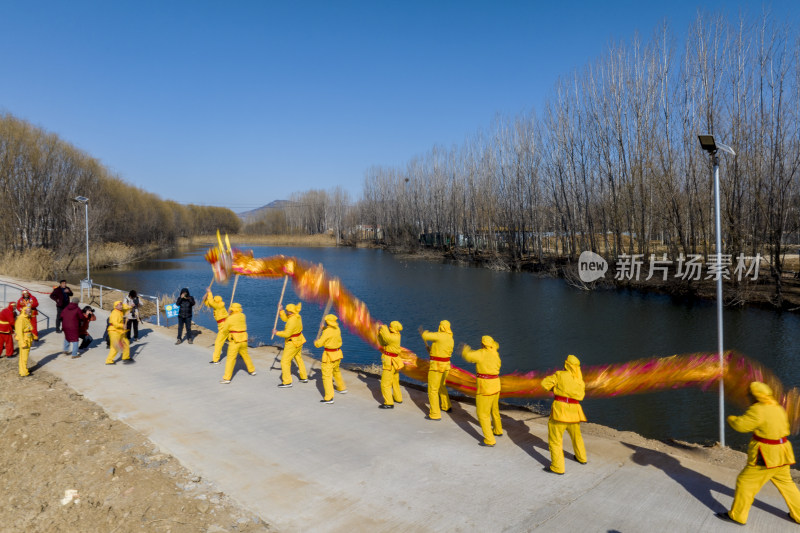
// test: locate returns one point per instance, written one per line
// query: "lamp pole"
(708, 144)
(85, 201)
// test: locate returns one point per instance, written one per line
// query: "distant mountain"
(256, 213)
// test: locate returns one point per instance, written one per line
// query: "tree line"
(40, 174)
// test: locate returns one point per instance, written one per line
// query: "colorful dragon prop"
(702, 370)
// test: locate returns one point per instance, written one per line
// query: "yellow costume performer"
(220, 314)
(769, 455)
(236, 330)
(566, 414)
(331, 340)
(116, 334)
(24, 333)
(389, 339)
(293, 347)
(487, 395)
(440, 351)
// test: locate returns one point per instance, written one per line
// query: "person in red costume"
(7, 319)
(29, 300)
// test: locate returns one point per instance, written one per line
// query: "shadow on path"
(43, 361)
(696, 484)
(520, 434)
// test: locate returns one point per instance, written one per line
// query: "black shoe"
(284, 385)
(58, 331)
(400, 401)
(326, 401)
(178, 341)
(428, 417)
(190, 341)
(582, 462)
(213, 362)
(725, 517)
(127, 361)
(386, 406)
(481, 443)
(303, 381)
(447, 410)
(547, 469)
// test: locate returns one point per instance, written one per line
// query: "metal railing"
(89, 286)
(19, 289)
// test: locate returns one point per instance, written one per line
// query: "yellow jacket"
(331, 340)
(390, 343)
(568, 384)
(23, 331)
(293, 331)
(442, 347)
(236, 326)
(216, 303)
(117, 320)
(487, 362)
(768, 421)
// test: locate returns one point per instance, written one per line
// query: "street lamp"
(85, 201)
(708, 144)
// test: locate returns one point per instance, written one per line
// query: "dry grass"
(42, 264)
(311, 241)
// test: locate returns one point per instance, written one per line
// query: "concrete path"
(306, 466)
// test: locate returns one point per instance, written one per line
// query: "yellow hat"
(118, 302)
(236, 307)
(331, 320)
(489, 342)
(444, 327)
(292, 308)
(762, 392)
(218, 299)
(396, 326)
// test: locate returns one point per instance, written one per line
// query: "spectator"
(86, 339)
(29, 300)
(60, 296)
(7, 320)
(132, 316)
(71, 318)
(185, 302)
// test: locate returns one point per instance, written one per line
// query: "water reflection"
(537, 321)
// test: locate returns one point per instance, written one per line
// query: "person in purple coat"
(71, 318)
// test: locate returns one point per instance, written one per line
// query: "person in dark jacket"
(185, 302)
(60, 296)
(71, 318)
(88, 316)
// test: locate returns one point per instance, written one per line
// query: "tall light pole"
(709, 145)
(85, 201)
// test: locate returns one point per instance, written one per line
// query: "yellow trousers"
(234, 350)
(437, 393)
(555, 437)
(292, 353)
(487, 408)
(23, 360)
(117, 340)
(219, 342)
(390, 386)
(330, 371)
(750, 481)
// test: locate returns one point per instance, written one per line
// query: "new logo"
(591, 267)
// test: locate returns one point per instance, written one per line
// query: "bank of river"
(537, 321)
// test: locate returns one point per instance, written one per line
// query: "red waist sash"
(389, 354)
(488, 376)
(770, 441)
(221, 320)
(332, 349)
(566, 400)
(440, 359)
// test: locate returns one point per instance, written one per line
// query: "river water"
(537, 322)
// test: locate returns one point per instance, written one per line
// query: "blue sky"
(242, 103)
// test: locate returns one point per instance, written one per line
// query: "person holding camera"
(61, 296)
(132, 316)
(185, 302)
(86, 339)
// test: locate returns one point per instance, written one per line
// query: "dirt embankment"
(53, 440)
